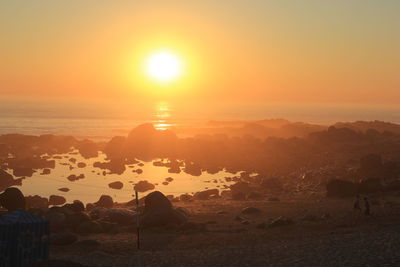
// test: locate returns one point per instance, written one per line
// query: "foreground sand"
(325, 232)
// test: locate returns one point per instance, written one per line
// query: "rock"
(56, 200)
(45, 171)
(116, 185)
(73, 220)
(63, 189)
(88, 149)
(240, 187)
(36, 202)
(251, 210)
(192, 226)
(254, 196)
(143, 186)
(204, 195)
(7, 180)
(139, 171)
(89, 227)
(12, 199)
(63, 239)
(169, 179)
(340, 188)
(262, 225)
(165, 183)
(74, 177)
(120, 216)
(23, 171)
(81, 165)
(158, 211)
(280, 221)
(271, 184)
(105, 201)
(56, 221)
(76, 206)
(273, 199)
(192, 169)
(185, 198)
(90, 206)
(310, 218)
(72, 160)
(238, 196)
(156, 201)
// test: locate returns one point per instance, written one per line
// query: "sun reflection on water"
(162, 116)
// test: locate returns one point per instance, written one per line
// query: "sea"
(101, 121)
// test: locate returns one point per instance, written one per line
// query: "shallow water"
(90, 188)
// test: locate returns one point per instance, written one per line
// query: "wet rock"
(81, 165)
(45, 172)
(56, 200)
(241, 187)
(88, 149)
(7, 180)
(165, 183)
(185, 198)
(63, 239)
(251, 210)
(63, 189)
(23, 171)
(143, 186)
(105, 201)
(72, 160)
(169, 179)
(116, 185)
(139, 171)
(340, 188)
(192, 169)
(74, 177)
(204, 195)
(36, 202)
(280, 221)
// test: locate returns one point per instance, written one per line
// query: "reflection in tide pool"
(162, 116)
(95, 184)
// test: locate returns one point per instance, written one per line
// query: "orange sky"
(253, 51)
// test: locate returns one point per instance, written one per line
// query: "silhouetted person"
(12, 199)
(356, 205)
(367, 207)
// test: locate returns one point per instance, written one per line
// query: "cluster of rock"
(72, 219)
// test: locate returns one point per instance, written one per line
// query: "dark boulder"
(7, 180)
(56, 200)
(204, 195)
(156, 201)
(23, 171)
(105, 201)
(12, 199)
(370, 185)
(36, 202)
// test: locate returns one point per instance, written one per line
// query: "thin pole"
(137, 220)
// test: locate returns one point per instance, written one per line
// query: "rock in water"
(116, 185)
(143, 186)
(12, 199)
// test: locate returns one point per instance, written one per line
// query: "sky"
(254, 51)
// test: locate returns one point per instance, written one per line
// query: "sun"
(164, 66)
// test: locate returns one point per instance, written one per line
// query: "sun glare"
(164, 66)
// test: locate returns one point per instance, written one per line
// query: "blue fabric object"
(23, 239)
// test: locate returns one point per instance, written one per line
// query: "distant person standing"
(367, 210)
(356, 205)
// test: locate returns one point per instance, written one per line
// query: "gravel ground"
(378, 248)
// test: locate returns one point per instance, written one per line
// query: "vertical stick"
(137, 220)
